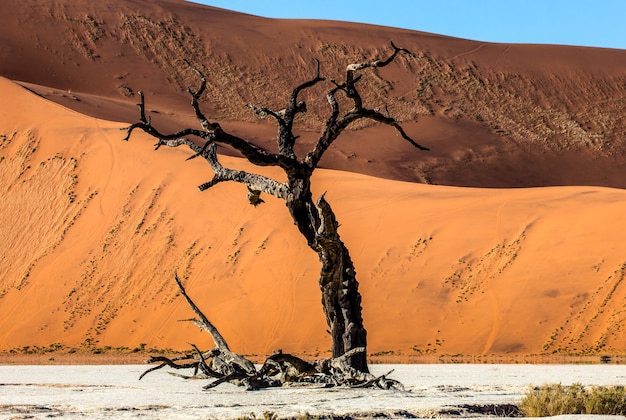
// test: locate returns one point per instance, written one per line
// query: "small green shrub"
(556, 399)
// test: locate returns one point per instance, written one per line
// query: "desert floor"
(114, 391)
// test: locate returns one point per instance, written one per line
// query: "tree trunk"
(341, 300)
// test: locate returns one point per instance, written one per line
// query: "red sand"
(94, 227)
(494, 115)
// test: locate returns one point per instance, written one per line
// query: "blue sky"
(596, 23)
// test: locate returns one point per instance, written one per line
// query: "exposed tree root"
(222, 365)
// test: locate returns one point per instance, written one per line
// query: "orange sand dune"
(93, 229)
(494, 115)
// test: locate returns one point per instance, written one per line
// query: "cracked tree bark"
(315, 220)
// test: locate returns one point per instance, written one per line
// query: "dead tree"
(280, 369)
(314, 218)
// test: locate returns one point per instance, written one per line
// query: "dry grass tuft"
(557, 399)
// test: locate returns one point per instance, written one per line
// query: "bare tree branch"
(377, 116)
(212, 133)
(285, 117)
(380, 63)
(204, 122)
(254, 182)
(296, 107)
(264, 112)
(167, 362)
(145, 125)
(222, 354)
(203, 322)
(335, 125)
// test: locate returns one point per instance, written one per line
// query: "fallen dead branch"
(222, 365)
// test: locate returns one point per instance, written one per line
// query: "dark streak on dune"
(495, 115)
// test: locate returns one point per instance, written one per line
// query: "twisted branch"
(336, 125)
(203, 323)
(286, 139)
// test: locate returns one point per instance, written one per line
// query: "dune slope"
(94, 228)
(494, 115)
